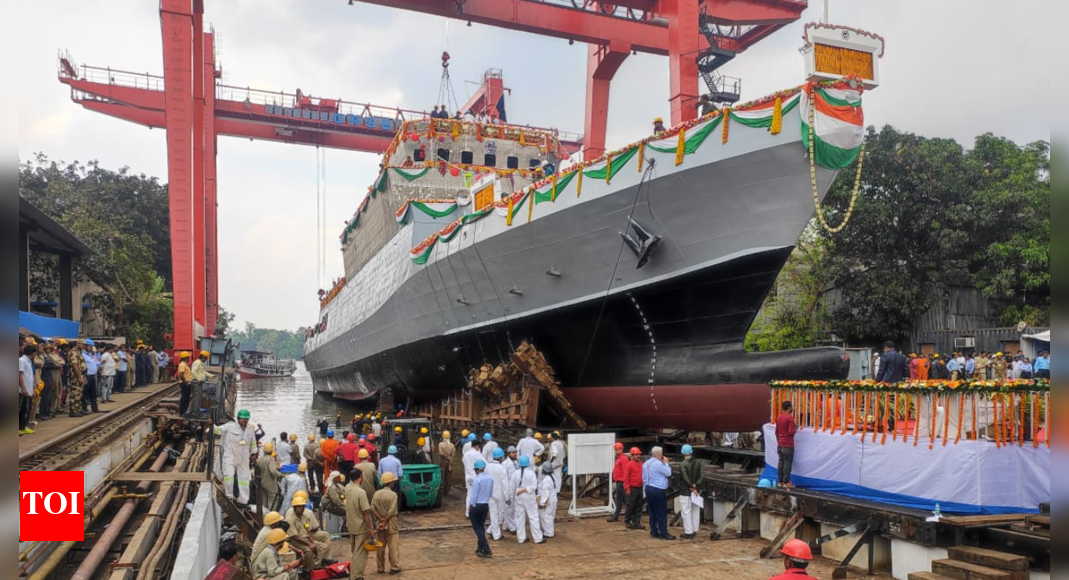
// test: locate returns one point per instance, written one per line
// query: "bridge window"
(513, 162)
(420, 154)
(443, 154)
(534, 162)
(490, 160)
(467, 157)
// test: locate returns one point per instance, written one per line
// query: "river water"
(290, 404)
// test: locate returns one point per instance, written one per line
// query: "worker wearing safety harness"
(238, 442)
(796, 558)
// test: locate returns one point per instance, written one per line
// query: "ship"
(637, 275)
(255, 364)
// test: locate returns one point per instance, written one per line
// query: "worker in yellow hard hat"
(384, 506)
(658, 125)
(272, 521)
(269, 563)
(304, 533)
(368, 470)
(268, 475)
(185, 377)
(446, 454)
(200, 376)
(538, 436)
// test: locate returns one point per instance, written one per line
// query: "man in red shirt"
(348, 451)
(796, 558)
(619, 469)
(785, 430)
(633, 491)
(372, 450)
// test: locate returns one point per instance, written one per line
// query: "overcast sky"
(953, 68)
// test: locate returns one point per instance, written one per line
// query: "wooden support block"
(926, 576)
(785, 534)
(989, 558)
(966, 571)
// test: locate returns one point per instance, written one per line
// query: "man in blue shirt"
(92, 366)
(970, 366)
(1042, 366)
(954, 366)
(481, 490)
(655, 475)
(392, 464)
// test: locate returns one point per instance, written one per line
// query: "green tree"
(930, 215)
(222, 322)
(793, 315)
(123, 218)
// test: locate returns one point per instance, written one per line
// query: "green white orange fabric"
(603, 168)
(761, 115)
(694, 138)
(435, 209)
(421, 253)
(838, 126)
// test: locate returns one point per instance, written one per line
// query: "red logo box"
(52, 506)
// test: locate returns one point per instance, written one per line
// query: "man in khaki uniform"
(269, 563)
(305, 533)
(76, 383)
(267, 471)
(384, 506)
(272, 521)
(358, 520)
(446, 453)
(313, 458)
(367, 468)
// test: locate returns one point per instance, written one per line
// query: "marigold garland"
(681, 146)
(777, 117)
(724, 132)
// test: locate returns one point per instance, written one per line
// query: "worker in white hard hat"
(238, 443)
(333, 504)
(530, 447)
(557, 455)
(270, 565)
(547, 500)
(304, 532)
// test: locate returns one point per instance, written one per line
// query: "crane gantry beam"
(617, 29)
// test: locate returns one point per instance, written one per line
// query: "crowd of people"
(59, 376)
(892, 367)
(440, 112)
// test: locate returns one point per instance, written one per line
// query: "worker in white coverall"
(472, 455)
(524, 486)
(488, 448)
(511, 466)
(496, 470)
(238, 442)
(530, 447)
(547, 500)
(557, 454)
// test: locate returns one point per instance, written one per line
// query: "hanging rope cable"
(319, 227)
(605, 299)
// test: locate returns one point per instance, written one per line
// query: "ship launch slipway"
(637, 274)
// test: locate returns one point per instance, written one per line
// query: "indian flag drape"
(546, 193)
(421, 253)
(411, 174)
(763, 114)
(694, 138)
(838, 126)
(618, 162)
(435, 209)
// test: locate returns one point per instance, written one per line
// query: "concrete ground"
(441, 545)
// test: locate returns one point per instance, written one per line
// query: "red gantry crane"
(698, 36)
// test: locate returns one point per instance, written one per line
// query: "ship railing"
(261, 97)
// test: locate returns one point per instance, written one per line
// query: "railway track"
(74, 447)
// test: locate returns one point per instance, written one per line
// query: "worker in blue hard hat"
(691, 476)
(489, 445)
(524, 486)
(478, 504)
(238, 443)
(391, 464)
(496, 470)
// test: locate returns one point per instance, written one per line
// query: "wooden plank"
(965, 571)
(989, 558)
(781, 538)
(926, 576)
(1043, 521)
(1030, 529)
(167, 476)
(987, 520)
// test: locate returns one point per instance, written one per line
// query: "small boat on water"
(255, 364)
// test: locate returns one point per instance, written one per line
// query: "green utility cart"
(421, 486)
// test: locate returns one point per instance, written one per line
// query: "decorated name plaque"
(836, 52)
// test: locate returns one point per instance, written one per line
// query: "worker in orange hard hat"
(796, 558)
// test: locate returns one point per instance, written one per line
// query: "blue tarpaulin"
(48, 327)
